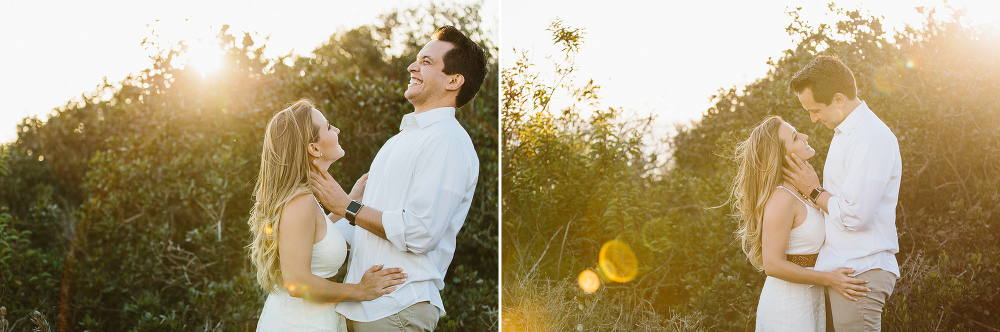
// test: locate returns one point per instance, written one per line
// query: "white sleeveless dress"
(283, 312)
(786, 306)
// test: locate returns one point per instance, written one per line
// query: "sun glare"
(618, 262)
(201, 51)
(589, 281)
(203, 57)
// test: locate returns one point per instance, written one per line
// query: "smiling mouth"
(414, 81)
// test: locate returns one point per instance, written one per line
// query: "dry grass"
(532, 304)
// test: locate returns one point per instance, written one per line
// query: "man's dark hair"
(825, 76)
(465, 58)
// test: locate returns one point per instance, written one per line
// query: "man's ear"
(455, 82)
(840, 99)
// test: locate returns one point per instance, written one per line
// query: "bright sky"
(54, 51)
(669, 57)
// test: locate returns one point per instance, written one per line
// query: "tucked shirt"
(422, 180)
(862, 172)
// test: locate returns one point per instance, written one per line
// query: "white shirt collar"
(427, 118)
(852, 120)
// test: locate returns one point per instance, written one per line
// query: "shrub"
(152, 176)
(572, 182)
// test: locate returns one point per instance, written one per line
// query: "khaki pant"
(865, 314)
(420, 317)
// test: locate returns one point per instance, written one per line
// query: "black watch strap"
(352, 211)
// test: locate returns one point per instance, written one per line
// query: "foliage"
(28, 274)
(149, 179)
(935, 86)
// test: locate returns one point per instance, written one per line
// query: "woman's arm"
(295, 241)
(780, 212)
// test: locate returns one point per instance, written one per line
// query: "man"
(859, 191)
(418, 191)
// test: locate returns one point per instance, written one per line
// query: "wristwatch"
(352, 211)
(814, 195)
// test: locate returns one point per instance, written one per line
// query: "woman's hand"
(358, 192)
(851, 288)
(378, 281)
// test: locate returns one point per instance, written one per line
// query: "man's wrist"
(352, 210)
(815, 193)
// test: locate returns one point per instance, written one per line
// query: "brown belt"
(803, 260)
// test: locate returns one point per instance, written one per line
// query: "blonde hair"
(284, 174)
(759, 161)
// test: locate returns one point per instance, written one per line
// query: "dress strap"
(318, 203)
(799, 197)
(326, 217)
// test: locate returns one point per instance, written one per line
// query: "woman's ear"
(314, 151)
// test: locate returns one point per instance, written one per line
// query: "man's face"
(830, 115)
(428, 82)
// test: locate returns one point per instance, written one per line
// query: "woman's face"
(327, 148)
(795, 142)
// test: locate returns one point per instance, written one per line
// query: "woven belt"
(803, 260)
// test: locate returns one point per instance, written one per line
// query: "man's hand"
(328, 191)
(358, 192)
(801, 175)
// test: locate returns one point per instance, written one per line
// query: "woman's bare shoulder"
(781, 203)
(300, 211)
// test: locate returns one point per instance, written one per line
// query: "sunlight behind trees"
(137, 216)
(576, 176)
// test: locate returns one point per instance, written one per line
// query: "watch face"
(354, 207)
(352, 211)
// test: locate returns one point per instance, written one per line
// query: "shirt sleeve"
(439, 192)
(346, 230)
(869, 166)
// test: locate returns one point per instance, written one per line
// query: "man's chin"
(411, 91)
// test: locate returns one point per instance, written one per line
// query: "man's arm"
(869, 170)
(332, 196)
(439, 187)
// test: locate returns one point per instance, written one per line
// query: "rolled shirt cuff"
(392, 223)
(833, 212)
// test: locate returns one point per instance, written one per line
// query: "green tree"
(149, 179)
(935, 85)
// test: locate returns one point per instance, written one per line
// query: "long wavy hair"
(759, 161)
(284, 174)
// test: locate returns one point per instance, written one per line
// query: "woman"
(782, 232)
(295, 247)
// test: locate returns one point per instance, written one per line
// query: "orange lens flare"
(617, 261)
(589, 281)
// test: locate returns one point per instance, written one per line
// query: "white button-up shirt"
(862, 172)
(422, 180)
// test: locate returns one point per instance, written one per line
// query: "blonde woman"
(781, 232)
(295, 247)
